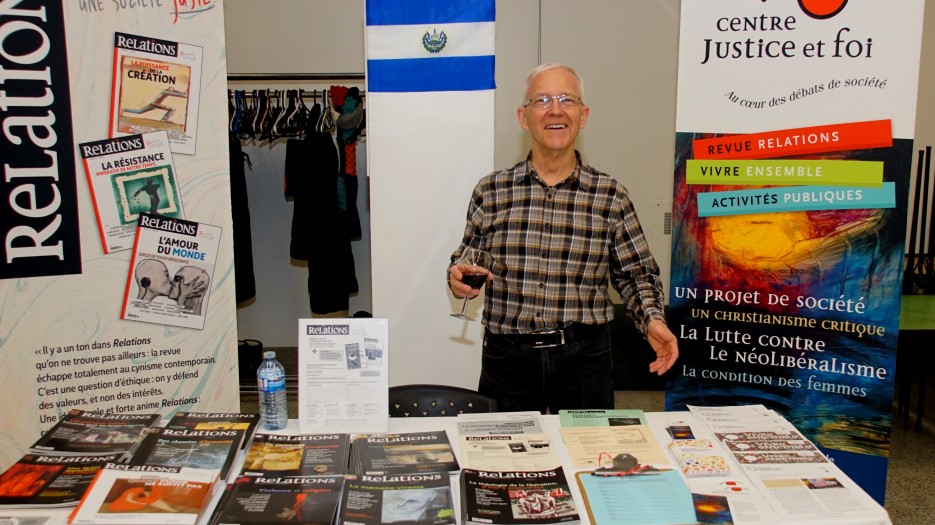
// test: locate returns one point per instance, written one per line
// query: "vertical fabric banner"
(793, 152)
(430, 124)
(63, 344)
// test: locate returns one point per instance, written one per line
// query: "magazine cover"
(144, 495)
(171, 272)
(127, 176)
(527, 496)
(31, 517)
(156, 87)
(423, 499)
(85, 433)
(37, 481)
(310, 500)
(275, 455)
(413, 452)
(205, 449)
(246, 424)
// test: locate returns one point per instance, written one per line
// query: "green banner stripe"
(785, 172)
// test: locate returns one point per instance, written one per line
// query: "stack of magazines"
(287, 479)
(400, 478)
(171, 475)
(511, 473)
(61, 465)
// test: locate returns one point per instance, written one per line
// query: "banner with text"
(793, 151)
(101, 105)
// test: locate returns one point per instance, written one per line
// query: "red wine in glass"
(474, 280)
(474, 265)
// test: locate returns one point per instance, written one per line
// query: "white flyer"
(343, 375)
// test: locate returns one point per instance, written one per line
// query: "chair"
(436, 401)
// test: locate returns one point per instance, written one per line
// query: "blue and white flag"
(430, 45)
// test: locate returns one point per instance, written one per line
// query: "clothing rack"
(293, 77)
(270, 113)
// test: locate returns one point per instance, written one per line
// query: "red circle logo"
(822, 8)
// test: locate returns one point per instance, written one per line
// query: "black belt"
(556, 336)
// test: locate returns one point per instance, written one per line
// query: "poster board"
(793, 147)
(62, 342)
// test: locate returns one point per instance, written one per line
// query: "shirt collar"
(574, 180)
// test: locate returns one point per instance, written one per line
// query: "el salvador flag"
(430, 45)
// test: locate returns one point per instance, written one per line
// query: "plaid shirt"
(555, 249)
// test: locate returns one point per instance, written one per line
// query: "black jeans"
(576, 375)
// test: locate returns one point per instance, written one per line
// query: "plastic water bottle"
(271, 382)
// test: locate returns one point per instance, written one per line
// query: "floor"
(911, 473)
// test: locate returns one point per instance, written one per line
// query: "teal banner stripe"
(797, 198)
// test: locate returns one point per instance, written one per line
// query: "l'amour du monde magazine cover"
(128, 176)
(171, 272)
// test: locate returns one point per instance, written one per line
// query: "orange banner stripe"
(799, 141)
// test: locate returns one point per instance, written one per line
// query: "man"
(557, 231)
(152, 279)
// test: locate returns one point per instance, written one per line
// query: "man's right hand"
(458, 288)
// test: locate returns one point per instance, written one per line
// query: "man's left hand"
(664, 343)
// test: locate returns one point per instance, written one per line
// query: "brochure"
(601, 418)
(156, 87)
(508, 452)
(171, 272)
(129, 175)
(600, 447)
(343, 375)
(499, 423)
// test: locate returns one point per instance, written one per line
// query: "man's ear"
(521, 117)
(145, 282)
(585, 112)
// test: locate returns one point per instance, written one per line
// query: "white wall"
(627, 52)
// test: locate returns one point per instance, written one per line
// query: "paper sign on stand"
(343, 375)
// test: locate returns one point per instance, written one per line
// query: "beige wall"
(628, 56)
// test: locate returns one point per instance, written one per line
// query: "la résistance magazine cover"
(127, 176)
(171, 272)
(156, 86)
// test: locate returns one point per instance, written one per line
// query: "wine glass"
(474, 265)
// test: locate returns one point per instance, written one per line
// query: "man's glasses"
(545, 101)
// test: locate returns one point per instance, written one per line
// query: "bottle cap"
(269, 354)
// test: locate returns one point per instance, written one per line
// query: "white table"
(873, 515)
